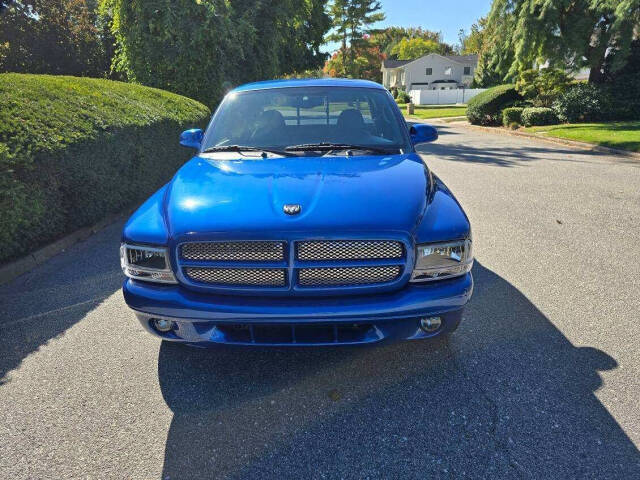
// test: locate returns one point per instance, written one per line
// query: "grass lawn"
(436, 111)
(624, 135)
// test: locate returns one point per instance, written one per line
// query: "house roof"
(455, 58)
(394, 63)
(463, 58)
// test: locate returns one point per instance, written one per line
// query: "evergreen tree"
(351, 21)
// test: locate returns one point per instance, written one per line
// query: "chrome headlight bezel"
(442, 260)
(160, 273)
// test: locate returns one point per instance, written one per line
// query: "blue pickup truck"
(305, 218)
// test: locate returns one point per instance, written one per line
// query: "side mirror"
(422, 133)
(191, 138)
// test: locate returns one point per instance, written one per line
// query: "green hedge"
(486, 107)
(74, 150)
(512, 116)
(534, 116)
(586, 102)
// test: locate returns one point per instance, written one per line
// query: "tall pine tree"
(352, 19)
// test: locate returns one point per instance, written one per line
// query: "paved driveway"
(542, 379)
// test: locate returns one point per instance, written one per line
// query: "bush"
(583, 102)
(74, 150)
(403, 97)
(486, 107)
(512, 115)
(542, 86)
(622, 97)
(538, 116)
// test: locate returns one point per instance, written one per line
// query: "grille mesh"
(348, 250)
(261, 251)
(337, 276)
(261, 277)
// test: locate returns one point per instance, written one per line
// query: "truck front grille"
(255, 277)
(233, 251)
(348, 250)
(343, 276)
(293, 267)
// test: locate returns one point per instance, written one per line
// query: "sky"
(446, 16)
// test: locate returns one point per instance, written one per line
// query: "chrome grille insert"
(254, 277)
(260, 251)
(348, 250)
(344, 276)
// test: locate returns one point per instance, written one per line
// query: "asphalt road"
(542, 379)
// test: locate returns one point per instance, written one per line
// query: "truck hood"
(219, 195)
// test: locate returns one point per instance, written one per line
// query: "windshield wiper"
(246, 148)
(329, 147)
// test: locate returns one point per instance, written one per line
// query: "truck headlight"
(146, 263)
(436, 261)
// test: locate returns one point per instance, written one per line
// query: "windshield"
(287, 117)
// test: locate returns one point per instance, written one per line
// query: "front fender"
(147, 224)
(443, 219)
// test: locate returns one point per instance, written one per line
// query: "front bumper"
(295, 321)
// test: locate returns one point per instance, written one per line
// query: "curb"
(558, 141)
(23, 265)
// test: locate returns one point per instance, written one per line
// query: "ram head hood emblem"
(291, 208)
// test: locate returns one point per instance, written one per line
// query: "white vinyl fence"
(443, 97)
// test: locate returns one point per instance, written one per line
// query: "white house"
(431, 72)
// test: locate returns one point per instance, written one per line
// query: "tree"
(366, 64)
(351, 21)
(542, 86)
(565, 34)
(388, 38)
(200, 49)
(52, 36)
(472, 43)
(496, 54)
(410, 49)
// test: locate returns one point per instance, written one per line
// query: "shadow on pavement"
(506, 396)
(502, 155)
(43, 304)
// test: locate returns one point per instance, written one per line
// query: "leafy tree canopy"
(200, 49)
(472, 43)
(542, 86)
(53, 36)
(387, 38)
(366, 63)
(410, 49)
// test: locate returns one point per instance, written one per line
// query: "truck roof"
(308, 82)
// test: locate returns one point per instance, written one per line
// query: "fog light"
(430, 324)
(162, 325)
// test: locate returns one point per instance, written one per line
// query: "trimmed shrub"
(403, 97)
(538, 116)
(583, 102)
(486, 107)
(74, 150)
(512, 115)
